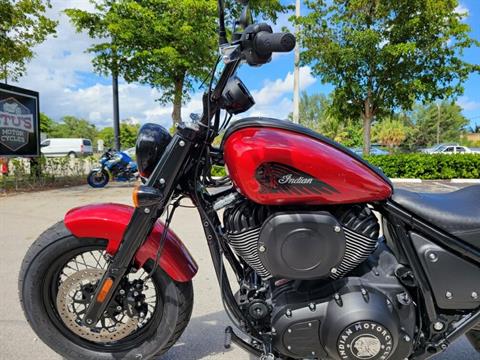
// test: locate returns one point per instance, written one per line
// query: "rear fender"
(109, 221)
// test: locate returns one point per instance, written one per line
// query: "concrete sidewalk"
(23, 217)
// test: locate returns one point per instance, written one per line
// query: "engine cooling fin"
(362, 230)
(245, 245)
(243, 223)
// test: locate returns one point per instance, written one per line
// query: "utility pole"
(296, 72)
(438, 123)
(116, 107)
(5, 66)
(116, 111)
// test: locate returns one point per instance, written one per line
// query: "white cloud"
(462, 9)
(467, 104)
(274, 99)
(273, 90)
(63, 74)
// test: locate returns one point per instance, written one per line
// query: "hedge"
(50, 173)
(429, 167)
(420, 166)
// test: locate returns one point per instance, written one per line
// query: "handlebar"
(266, 43)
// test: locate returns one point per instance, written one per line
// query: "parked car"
(452, 149)
(374, 150)
(437, 148)
(66, 147)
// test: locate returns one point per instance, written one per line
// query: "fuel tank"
(275, 162)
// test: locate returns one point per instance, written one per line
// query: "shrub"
(47, 173)
(419, 166)
(429, 167)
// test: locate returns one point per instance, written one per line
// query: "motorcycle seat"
(457, 212)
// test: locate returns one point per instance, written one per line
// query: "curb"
(465, 181)
(452, 181)
(409, 181)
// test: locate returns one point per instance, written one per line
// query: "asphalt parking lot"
(24, 216)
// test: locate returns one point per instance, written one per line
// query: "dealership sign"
(19, 122)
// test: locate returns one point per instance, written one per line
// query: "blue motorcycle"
(115, 165)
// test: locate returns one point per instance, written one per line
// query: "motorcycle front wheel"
(98, 178)
(58, 278)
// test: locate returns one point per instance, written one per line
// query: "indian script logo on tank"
(365, 341)
(16, 124)
(291, 179)
(279, 178)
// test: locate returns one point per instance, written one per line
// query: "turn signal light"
(107, 285)
(146, 196)
(135, 196)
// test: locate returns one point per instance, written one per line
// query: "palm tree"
(390, 132)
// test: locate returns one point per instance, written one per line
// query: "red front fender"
(109, 221)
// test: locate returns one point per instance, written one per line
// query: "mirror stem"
(222, 33)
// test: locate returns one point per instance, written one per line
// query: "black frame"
(401, 220)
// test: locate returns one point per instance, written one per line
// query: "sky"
(63, 75)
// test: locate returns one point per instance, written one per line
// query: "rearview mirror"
(246, 17)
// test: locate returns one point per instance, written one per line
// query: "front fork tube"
(162, 181)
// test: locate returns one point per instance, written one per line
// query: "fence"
(26, 174)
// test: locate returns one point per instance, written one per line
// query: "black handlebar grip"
(266, 43)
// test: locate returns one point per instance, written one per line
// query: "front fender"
(109, 221)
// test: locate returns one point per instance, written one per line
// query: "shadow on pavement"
(204, 337)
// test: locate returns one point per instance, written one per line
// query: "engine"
(299, 245)
(313, 287)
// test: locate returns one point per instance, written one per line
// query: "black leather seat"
(457, 212)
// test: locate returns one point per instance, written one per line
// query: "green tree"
(313, 108)
(47, 125)
(390, 132)
(23, 25)
(72, 127)
(167, 44)
(430, 121)
(128, 133)
(317, 112)
(475, 129)
(383, 55)
(267, 9)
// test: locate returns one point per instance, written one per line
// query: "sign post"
(19, 122)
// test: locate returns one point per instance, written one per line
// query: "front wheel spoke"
(71, 268)
(77, 281)
(85, 263)
(97, 260)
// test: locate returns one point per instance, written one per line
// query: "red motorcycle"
(317, 278)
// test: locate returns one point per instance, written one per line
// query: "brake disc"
(70, 297)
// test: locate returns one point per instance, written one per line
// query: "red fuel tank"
(274, 162)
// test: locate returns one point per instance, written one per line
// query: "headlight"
(236, 98)
(151, 143)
